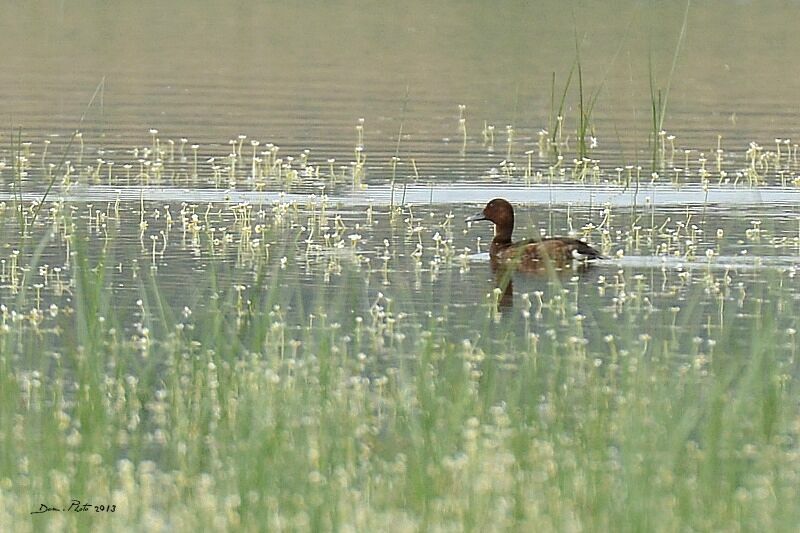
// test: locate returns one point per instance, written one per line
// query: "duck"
(531, 254)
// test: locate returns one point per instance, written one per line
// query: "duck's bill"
(476, 217)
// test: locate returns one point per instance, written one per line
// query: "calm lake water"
(301, 77)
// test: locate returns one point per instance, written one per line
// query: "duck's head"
(498, 211)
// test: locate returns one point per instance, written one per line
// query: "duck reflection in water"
(531, 255)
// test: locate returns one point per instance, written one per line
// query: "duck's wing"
(535, 254)
(558, 248)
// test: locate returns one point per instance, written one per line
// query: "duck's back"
(534, 253)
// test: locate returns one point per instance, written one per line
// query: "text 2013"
(77, 507)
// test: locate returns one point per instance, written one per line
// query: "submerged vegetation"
(290, 364)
